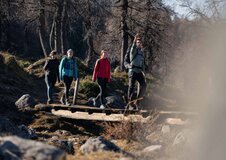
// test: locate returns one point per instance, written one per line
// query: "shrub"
(88, 88)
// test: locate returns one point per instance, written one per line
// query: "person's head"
(53, 54)
(103, 54)
(70, 53)
(139, 43)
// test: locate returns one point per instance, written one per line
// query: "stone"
(152, 148)
(182, 137)
(98, 144)
(63, 144)
(176, 121)
(165, 129)
(13, 147)
(25, 101)
(115, 101)
(8, 128)
(63, 133)
(27, 132)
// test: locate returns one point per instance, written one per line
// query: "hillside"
(19, 77)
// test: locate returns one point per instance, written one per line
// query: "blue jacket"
(68, 67)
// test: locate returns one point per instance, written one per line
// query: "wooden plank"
(100, 116)
(75, 91)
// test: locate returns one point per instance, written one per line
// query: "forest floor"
(25, 77)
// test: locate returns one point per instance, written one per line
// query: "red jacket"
(102, 69)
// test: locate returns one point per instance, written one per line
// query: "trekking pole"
(75, 91)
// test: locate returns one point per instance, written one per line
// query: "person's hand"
(137, 36)
(130, 66)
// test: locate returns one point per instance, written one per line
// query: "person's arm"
(95, 71)
(109, 71)
(46, 66)
(61, 68)
(57, 71)
(127, 59)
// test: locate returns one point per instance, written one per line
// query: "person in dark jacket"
(102, 73)
(68, 71)
(135, 65)
(51, 74)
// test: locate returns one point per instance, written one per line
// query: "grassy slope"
(19, 77)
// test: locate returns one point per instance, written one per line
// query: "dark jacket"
(51, 69)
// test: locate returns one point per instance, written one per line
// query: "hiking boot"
(94, 102)
(49, 101)
(62, 100)
(67, 103)
(102, 106)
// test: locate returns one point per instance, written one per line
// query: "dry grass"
(129, 130)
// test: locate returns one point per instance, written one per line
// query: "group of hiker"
(67, 70)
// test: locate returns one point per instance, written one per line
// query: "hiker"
(51, 74)
(102, 73)
(68, 71)
(134, 62)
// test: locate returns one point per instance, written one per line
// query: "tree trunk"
(124, 33)
(58, 25)
(52, 32)
(63, 27)
(88, 25)
(42, 24)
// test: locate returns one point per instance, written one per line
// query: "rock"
(63, 133)
(13, 147)
(182, 137)
(25, 101)
(27, 132)
(115, 102)
(176, 121)
(7, 127)
(165, 129)
(98, 144)
(152, 148)
(64, 144)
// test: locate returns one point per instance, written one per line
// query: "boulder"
(15, 148)
(27, 132)
(63, 144)
(115, 102)
(8, 128)
(25, 101)
(98, 144)
(152, 148)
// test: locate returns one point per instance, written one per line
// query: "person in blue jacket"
(68, 71)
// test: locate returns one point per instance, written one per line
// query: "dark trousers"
(67, 84)
(133, 77)
(102, 82)
(50, 82)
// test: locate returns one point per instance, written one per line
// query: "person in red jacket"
(102, 73)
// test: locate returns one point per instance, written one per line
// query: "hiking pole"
(75, 91)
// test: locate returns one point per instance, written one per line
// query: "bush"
(88, 88)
